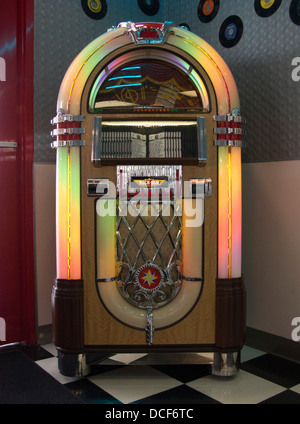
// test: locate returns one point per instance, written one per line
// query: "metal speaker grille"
(154, 240)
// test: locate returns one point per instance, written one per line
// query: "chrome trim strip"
(229, 143)
(96, 139)
(202, 139)
(106, 280)
(229, 118)
(67, 131)
(182, 277)
(135, 33)
(62, 117)
(224, 130)
(67, 143)
(149, 327)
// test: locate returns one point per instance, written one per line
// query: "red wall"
(17, 292)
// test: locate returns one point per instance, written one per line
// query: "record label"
(149, 9)
(208, 9)
(295, 12)
(95, 9)
(266, 8)
(231, 31)
(266, 4)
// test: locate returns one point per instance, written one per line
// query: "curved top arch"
(72, 86)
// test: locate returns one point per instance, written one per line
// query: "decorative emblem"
(149, 277)
(148, 287)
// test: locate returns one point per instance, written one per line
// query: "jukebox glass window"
(166, 84)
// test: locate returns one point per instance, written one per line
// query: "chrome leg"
(226, 364)
(73, 365)
(149, 328)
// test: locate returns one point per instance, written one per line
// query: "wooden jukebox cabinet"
(148, 200)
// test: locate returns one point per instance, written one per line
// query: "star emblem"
(149, 277)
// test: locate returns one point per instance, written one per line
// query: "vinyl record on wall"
(295, 12)
(95, 9)
(149, 7)
(231, 31)
(266, 8)
(208, 9)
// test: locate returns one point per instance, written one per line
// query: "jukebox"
(148, 135)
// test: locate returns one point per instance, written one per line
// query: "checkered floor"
(180, 379)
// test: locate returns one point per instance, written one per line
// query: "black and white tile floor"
(178, 380)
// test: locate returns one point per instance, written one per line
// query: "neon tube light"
(236, 235)
(124, 77)
(68, 213)
(131, 68)
(223, 232)
(123, 85)
(230, 213)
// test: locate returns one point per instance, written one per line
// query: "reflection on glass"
(153, 85)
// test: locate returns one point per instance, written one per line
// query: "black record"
(95, 9)
(295, 12)
(266, 8)
(231, 31)
(149, 9)
(207, 10)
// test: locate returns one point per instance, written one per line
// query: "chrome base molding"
(226, 364)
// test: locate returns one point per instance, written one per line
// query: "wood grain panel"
(100, 328)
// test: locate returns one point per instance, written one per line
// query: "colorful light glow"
(131, 68)
(192, 241)
(61, 213)
(230, 213)
(206, 55)
(123, 85)
(124, 77)
(229, 245)
(165, 56)
(106, 239)
(68, 258)
(236, 214)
